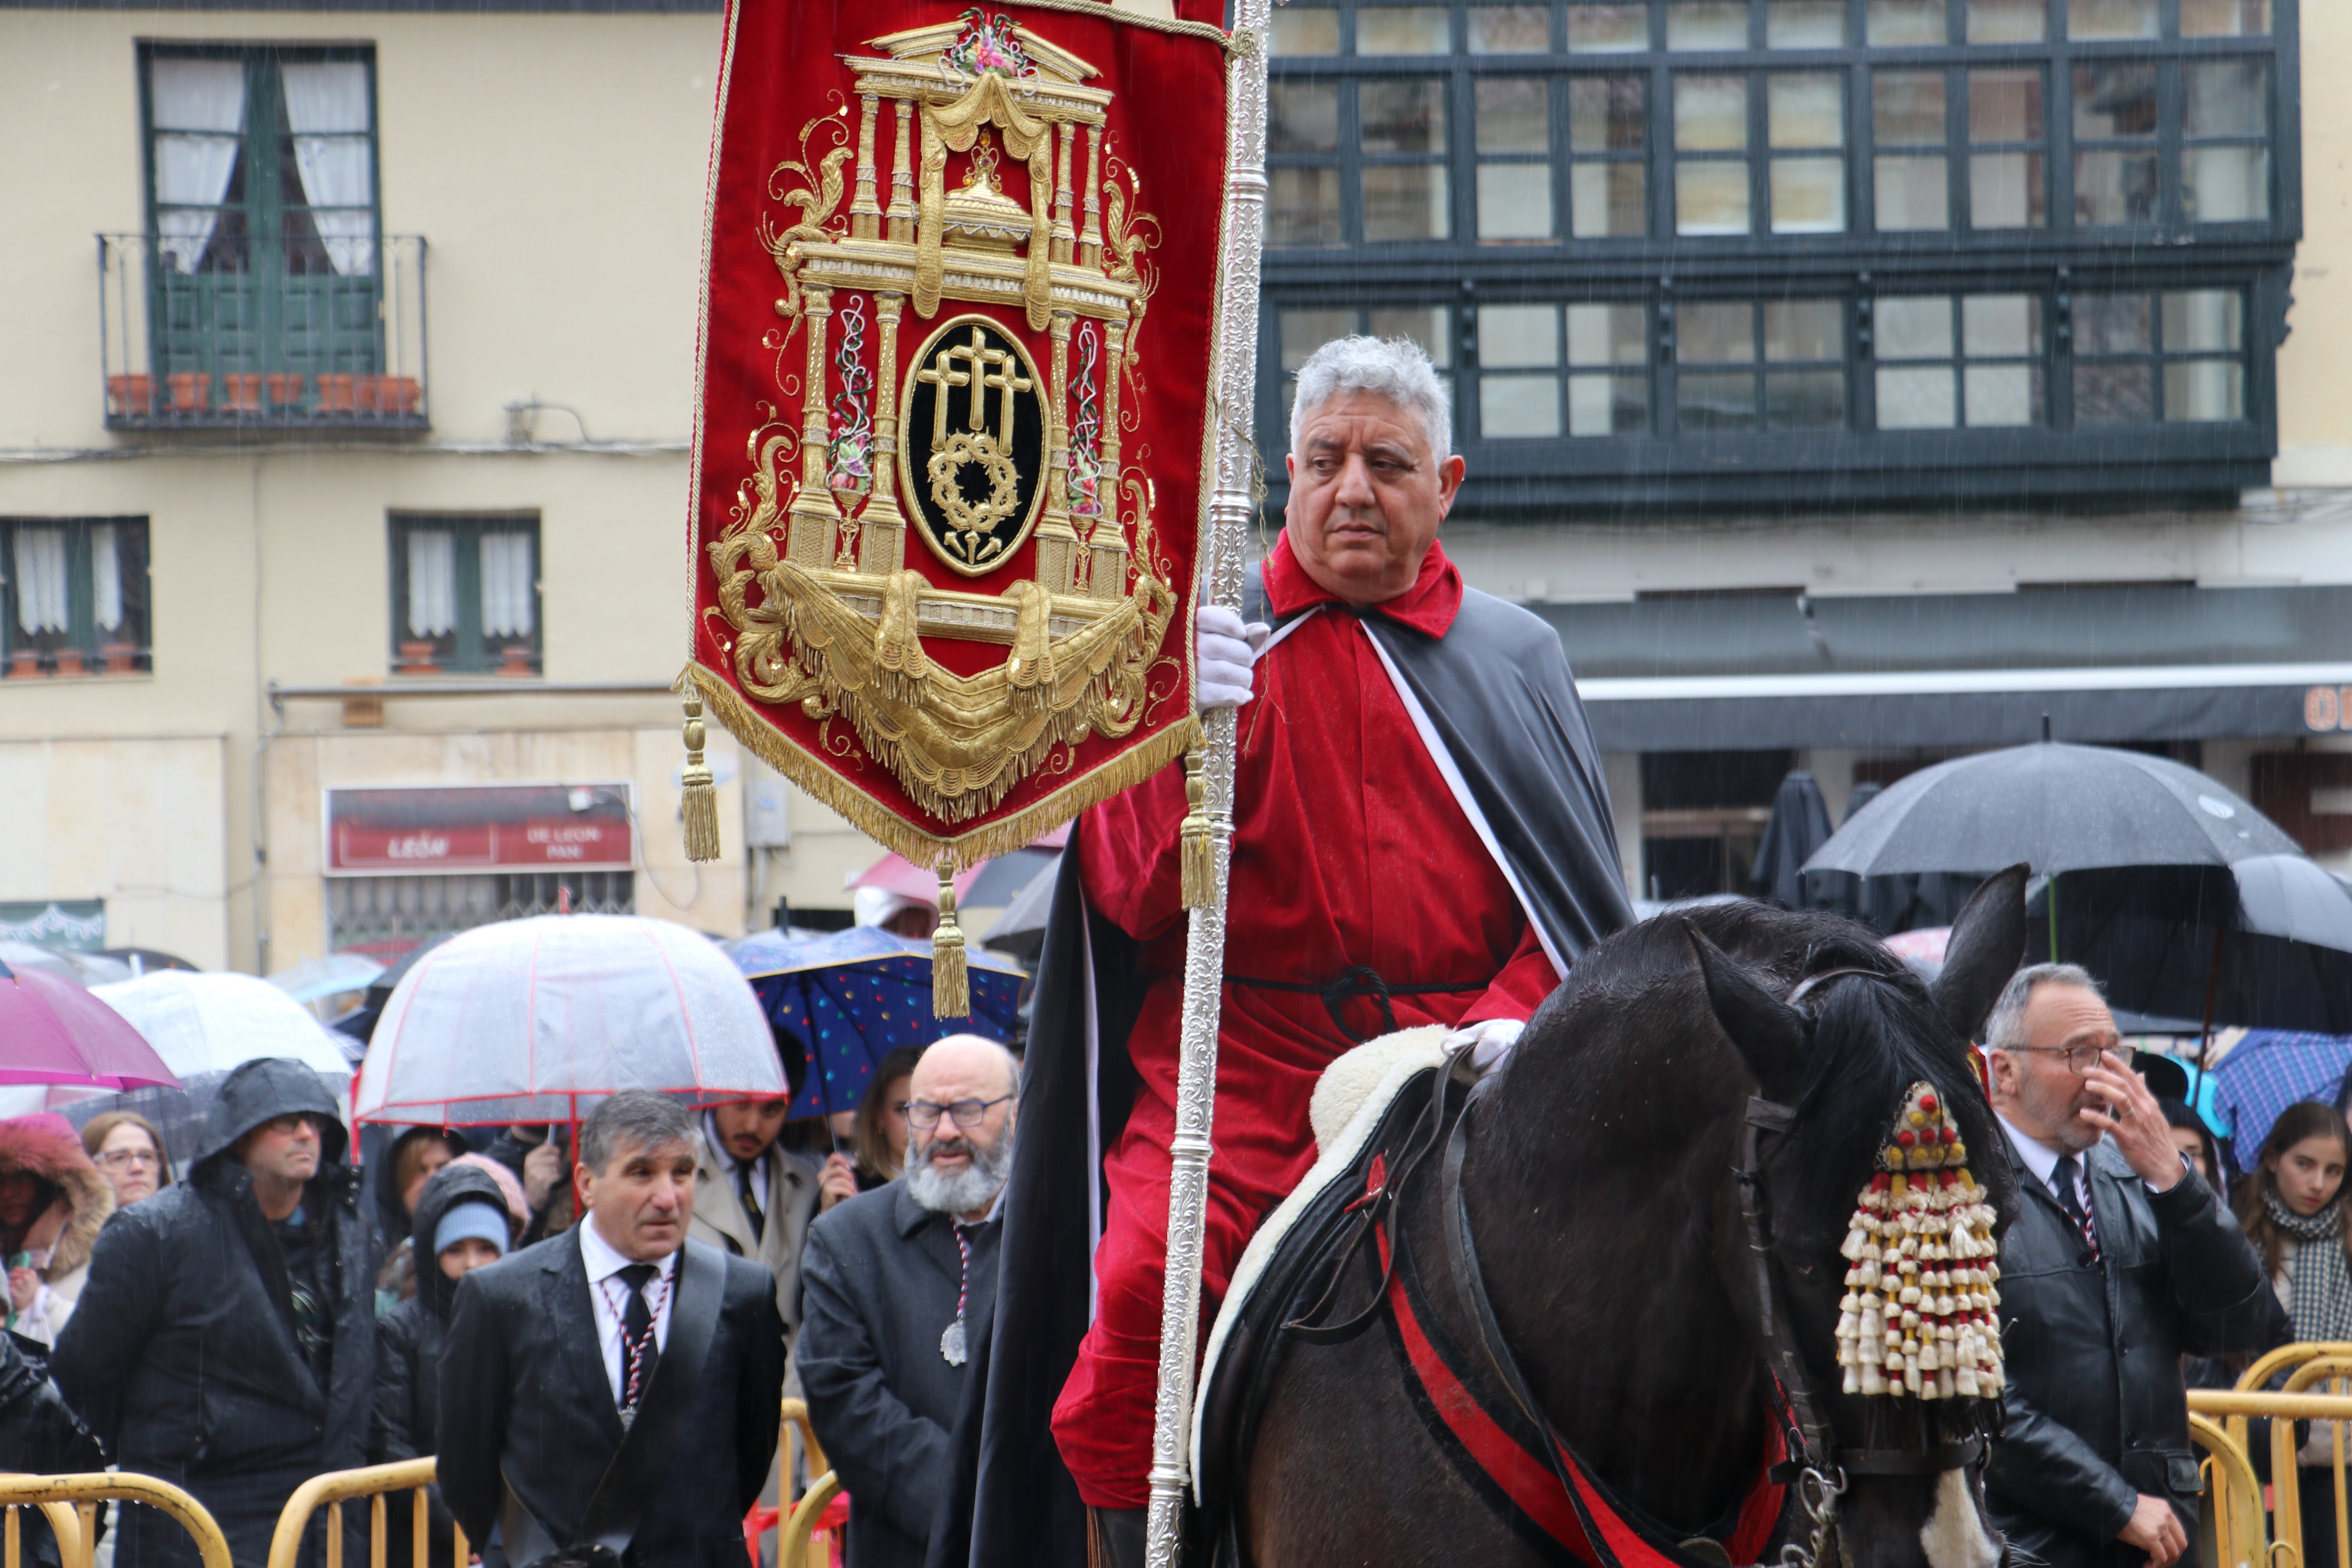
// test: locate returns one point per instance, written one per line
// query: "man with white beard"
(897, 1282)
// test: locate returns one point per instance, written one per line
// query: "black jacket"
(40, 1436)
(408, 1352)
(182, 1356)
(524, 1393)
(878, 1288)
(2098, 1411)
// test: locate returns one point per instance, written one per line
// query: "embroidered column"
(865, 213)
(1090, 242)
(883, 549)
(902, 179)
(1065, 237)
(811, 541)
(1057, 543)
(1106, 574)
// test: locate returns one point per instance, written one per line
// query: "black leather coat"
(2098, 1411)
(182, 1353)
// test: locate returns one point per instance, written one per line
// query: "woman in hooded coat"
(461, 1206)
(53, 1202)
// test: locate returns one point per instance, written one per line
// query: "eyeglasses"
(130, 1160)
(2076, 1060)
(968, 1113)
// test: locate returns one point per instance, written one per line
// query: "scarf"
(2320, 1297)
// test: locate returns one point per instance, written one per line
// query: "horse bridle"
(1819, 1467)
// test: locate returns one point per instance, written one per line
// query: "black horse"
(1603, 1205)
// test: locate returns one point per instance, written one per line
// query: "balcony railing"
(266, 349)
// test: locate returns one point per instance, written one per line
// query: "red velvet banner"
(951, 436)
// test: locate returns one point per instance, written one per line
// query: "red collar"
(1428, 606)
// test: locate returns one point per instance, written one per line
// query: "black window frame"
(464, 649)
(1860, 464)
(83, 647)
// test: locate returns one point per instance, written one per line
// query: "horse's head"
(1874, 1208)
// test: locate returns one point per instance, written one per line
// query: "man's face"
(641, 1199)
(1366, 493)
(284, 1147)
(950, 1078)
(2042, 1090)
(749, 1128)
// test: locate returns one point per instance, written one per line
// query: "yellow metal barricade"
(797, 1516)
(2283, 1408)
(70, 1505)
(2234, 1516)
(374, 1482)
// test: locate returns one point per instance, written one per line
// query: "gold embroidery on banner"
(812, 573)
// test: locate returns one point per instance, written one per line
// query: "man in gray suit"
(897, 1282)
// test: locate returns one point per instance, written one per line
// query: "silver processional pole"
(1230, 506)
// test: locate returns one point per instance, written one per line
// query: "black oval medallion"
(971, 443)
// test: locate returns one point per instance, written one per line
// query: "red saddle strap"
(1532, 1486)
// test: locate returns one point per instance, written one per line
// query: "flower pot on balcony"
(130, 394)
(70, 661)
(415, 658)
(402, 394)
(518, 659)
(338, 394)
(192, 391)
(121, 657)
(24, 663)
(367, 394)
(285, 390)
(240, 394)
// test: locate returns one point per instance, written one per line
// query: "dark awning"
(2161, 662)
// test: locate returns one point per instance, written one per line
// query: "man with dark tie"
(2120, 1261)
(610, 1395)
(752, 1197)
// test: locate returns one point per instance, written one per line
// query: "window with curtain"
(464, 595)
(73, 596)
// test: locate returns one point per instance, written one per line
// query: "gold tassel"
(951, 984)
(701, 805)
(1198, 857)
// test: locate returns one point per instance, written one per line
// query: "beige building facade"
(535, 186)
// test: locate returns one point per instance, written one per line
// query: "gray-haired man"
(614, 1388)
(1413, 745)
(2121, 1262)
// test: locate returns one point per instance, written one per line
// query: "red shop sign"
(492, 828)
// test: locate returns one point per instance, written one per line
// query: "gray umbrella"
(2056, 807)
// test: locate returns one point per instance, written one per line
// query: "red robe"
(1348, 849)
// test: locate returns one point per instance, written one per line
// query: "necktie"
(2069, 1199)
(639, 1350)
(747, 1190)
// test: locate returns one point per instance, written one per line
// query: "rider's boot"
(1115, 1537)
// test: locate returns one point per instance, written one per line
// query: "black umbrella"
(2059, 808)
(1914, 901)
(2266, 942)
(1799, 825)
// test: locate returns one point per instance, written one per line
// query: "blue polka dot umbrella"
(852, 997)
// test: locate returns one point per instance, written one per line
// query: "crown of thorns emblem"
(973, 523)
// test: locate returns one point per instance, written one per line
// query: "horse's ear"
(1770, 1035)
(1986, 945)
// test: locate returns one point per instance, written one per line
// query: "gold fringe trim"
(894, 833)
(1198, 857)
(950, 985)
(701, 808)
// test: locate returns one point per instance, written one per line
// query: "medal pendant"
(952, 1343)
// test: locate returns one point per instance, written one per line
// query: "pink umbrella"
(52, 1031)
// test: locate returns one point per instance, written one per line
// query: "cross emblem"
(989, 370)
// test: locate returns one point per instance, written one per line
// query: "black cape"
(1497, 699)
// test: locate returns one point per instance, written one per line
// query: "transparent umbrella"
(538, 1020)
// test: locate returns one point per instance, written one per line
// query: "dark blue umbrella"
(852, 997)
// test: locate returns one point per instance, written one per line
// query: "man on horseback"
(1422, 836)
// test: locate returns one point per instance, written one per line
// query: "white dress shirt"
(602, 1262)
(2042, 1161)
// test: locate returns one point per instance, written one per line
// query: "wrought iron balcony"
(259, 337)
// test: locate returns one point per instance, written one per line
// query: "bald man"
(897, 1282)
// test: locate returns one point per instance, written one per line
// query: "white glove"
(1225, 650)
(1488, 1043)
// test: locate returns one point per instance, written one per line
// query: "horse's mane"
(1871, 1040)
